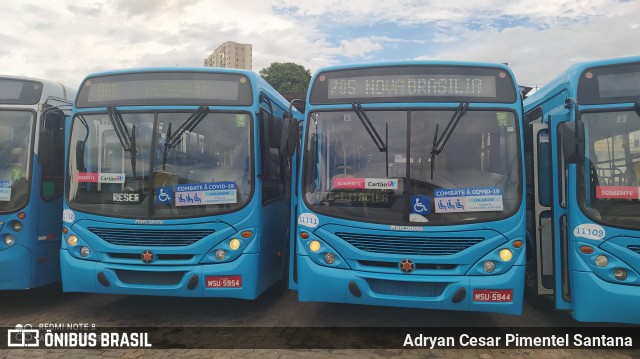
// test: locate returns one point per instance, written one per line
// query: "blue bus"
(583, 159)
(175, 184)
(32, 122)
(409, 191)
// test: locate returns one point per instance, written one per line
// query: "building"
(231, 54)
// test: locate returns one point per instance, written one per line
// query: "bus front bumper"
(596, 300)
(237, 279)
(15, 268)
(324, 284)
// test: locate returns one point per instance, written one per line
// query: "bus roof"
(568, 79)
(50, 88)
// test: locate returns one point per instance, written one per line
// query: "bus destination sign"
(411, 86)
(162, 88)
(19, 92)
(609, 84)
(414, 84)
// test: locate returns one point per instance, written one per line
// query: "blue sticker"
(421, 205)
(164, 195)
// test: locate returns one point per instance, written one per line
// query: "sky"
(65, 40)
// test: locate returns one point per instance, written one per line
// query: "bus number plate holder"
(224, 281)
(493, 295)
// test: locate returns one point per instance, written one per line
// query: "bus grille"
(635, 248)
(149, 237)
(409, 289)
(149, 278)
(408, 245)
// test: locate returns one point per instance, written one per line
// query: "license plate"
(493, 295)
(224, 281)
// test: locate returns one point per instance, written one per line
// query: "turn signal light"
(304, 235)
(246, 234)
(586, 250)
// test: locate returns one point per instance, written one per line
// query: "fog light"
(489, 266)
(314, 246)
(17, 226)
(602, 261)
(9, 240)
(620, 274)
(84, 251)
(234, 244)
(220, 254)
(506, 255)
(329, 258)
(72, 240)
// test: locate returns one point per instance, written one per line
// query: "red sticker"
(224, 281)
(345, 182)
(617, 192)
(87, 177)
(493, 295)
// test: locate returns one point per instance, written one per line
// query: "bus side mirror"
(290, 134)
(572, 139)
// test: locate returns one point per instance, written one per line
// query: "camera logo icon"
(24, 336)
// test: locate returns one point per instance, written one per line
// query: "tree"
(287, 78)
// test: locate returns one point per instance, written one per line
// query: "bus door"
(48, 193)
(550, 204)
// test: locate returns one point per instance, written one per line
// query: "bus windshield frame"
(16, 158)
(344, 172)
(609, 177)
(206, 172)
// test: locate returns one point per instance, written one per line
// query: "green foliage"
(287, 77)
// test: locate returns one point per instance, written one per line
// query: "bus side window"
(51, 154)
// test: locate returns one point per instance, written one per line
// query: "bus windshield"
(476, 176)
(16, 129)
(612, 167)
(160, 164)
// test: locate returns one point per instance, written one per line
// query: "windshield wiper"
(439, 143)
(127, 140)
(371, 130)
(172, 140)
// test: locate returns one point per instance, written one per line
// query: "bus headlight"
(602, 261)
(314, 246)
(506, 255)
(84, 251)
(8, 239)
(234, 244)
(329, 258)
(220, 255)
(72, 240)
(17, 226)
(489, 266)
(620, 274)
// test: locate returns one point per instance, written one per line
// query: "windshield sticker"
(164, 195)
(502, 118)
(5, 190)
(467, 200)
(589, 231)
(91, 177)
(421, 205)
(365, 183)
(308, 220)
(617, 192)
(68, 216)
(241, 120)
(111, 177)
(197, 194)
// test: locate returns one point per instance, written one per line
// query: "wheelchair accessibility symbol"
(164, 195)
(421, 205)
